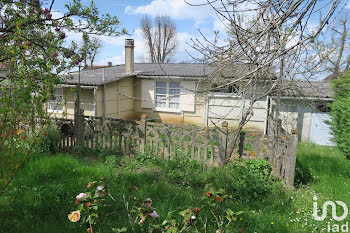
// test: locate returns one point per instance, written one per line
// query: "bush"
(48, 142)
(340, 112)
(245, 181)
(185, 171)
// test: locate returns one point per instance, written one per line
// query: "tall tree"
(160, 38)
(91, 47)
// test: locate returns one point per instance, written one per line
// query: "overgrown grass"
(43, 193)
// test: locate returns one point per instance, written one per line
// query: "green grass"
(43, 193)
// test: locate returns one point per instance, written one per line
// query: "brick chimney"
(129, 55)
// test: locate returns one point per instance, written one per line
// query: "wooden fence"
(207, 145)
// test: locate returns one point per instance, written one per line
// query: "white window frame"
(167, 97)
(58, 100)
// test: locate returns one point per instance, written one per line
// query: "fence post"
(292, 158)
(223, 133)
(241, 143)
(143, 128)
(79, 127)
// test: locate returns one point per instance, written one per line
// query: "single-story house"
(174, 93)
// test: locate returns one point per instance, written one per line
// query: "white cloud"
(176, 9)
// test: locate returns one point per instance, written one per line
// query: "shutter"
(147, 95)
(187, 98)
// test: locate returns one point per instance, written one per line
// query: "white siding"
(187, 97)
(147, 94)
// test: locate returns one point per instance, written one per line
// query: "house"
(177, 93)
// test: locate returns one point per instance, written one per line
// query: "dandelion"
(74, 216)
(271, 223)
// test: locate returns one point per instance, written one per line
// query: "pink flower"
(99, 188)
(80, 196)
(148, 203)
(154, 214)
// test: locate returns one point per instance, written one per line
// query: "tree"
(340, 123)
(266, 43)
(332, 47)
(160, 38)
(91, 47)
(35, 48)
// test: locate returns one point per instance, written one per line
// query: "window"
(55, 104)
(168, 95)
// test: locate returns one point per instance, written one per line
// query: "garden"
(95, 191)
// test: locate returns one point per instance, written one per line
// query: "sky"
(189, 20)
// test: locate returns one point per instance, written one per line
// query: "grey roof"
(308, 89)
(94, 77)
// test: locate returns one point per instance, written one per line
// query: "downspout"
(104, 93)
(95, 102)
(118, 100)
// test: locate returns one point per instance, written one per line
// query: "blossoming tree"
(36, 50)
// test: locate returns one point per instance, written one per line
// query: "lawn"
(43, 193)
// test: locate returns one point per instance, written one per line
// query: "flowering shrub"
(143, 217)
(88, 204)
(48, 140)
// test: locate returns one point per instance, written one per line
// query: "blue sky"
(129, 12)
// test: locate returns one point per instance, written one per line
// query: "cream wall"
(69, 97)
(117, 105)
(119, 99)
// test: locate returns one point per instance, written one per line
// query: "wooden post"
(223, 133)
(143, 128)
(241, 143)
(291, 161)
(79, 127)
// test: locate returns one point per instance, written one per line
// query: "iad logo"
(334, 227)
